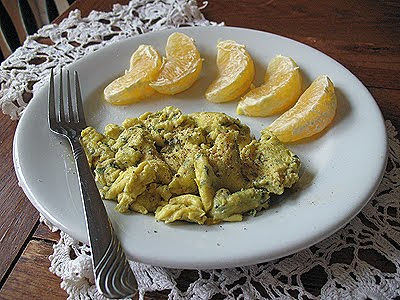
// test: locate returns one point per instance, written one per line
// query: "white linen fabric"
(343, 261)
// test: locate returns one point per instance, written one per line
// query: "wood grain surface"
(17, 215)
(363, 35)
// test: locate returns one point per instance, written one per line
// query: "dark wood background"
(363, 35)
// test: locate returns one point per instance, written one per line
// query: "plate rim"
(230, 262)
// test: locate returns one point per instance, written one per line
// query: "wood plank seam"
(47, 241)
(381, 87)
(18, 256)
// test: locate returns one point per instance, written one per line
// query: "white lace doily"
(342, 263)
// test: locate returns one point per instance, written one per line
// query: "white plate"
(342, 168)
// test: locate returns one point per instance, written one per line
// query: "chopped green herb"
(114, 165)
(253, 212)
(100, 170)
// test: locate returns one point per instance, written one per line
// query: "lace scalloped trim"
(341, 262)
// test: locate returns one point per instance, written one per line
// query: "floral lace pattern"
(340, 267)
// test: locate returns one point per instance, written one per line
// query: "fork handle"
(113, 275)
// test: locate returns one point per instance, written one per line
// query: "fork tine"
(52, 108)
(61, 99)
(69, 112)
(78, 96)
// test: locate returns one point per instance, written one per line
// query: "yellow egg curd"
(203, 167)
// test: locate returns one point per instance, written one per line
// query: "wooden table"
(363, 35)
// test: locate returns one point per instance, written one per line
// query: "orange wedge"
(314, 111)
(182, 65)
(145, 64)
(280, 91)
(235, 72)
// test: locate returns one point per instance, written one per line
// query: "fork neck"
(74, 135)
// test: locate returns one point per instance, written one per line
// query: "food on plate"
(145, 64)
(182, 65)
(282, 88)
(314, 111)
(235, 72)
(203, 167)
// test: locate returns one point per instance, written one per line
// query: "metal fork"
(113, 276)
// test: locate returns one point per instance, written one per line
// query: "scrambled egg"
(203, 167)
